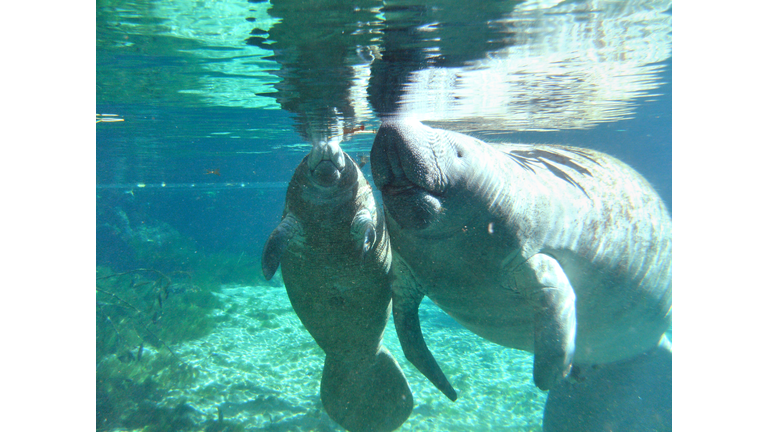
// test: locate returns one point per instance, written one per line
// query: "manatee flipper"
(554, 320)
(277, 243)
(632, 395)
(363, 230)
(370, 396)
(405, 309)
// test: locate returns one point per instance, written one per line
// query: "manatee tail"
(366, 396)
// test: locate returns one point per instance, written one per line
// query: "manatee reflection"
(502, 65)
(569, 66)
(535, 65)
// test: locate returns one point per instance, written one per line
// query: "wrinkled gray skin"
(562, 252)
(334, 251)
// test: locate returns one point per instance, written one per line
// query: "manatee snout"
(326, 173)
(326, 162)
(406, 153)
(385, 161)
(405, 171)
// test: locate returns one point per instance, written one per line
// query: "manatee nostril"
(396, 166)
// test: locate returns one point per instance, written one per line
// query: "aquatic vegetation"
(143, 307)
(125, 309)
(137, 241)
(140, 314)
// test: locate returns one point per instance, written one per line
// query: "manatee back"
(611, 233)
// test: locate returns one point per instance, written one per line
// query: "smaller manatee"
(334, 250)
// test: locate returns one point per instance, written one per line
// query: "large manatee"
(562, 252)
(334, 251)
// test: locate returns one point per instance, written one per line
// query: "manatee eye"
(459, 153)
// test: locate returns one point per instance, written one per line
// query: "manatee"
(560, 251)
(334, 251)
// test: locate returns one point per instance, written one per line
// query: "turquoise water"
(204, 109)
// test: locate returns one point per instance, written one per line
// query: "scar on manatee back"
(528, 158)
